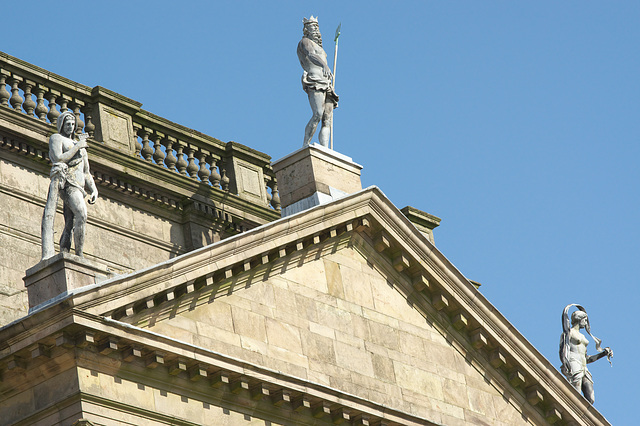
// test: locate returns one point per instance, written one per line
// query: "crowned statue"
(317, 82)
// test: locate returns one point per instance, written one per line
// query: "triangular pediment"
(334, 315)
(348, 295)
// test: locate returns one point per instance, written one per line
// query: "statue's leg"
(327, 118)
(79, 209)
(587, 391)
(65, 238)
(48, 217)
(316, 101)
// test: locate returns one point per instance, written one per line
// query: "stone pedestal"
(424, 221)
(314, 175)
(60, 274)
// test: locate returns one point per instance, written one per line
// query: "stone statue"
(316, 82)
(573, 351)
(69, 177)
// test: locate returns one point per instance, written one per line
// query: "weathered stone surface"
(334, 279)
(61, 274)
(248, 324)
(375, 354)
(315, 170)
(249, 183)
(283, 335)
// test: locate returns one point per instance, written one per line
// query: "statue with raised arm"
(573, 351)
(70, 176)
(317, 82)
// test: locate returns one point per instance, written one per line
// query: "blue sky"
(515, 122)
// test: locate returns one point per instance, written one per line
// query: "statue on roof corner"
(69, 176)
(573, 351)
(317, 82)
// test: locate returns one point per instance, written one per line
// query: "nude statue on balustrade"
(70, 176)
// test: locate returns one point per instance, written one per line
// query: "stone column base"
(61, 274)
(314, 175)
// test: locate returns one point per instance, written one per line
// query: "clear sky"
(515, 122)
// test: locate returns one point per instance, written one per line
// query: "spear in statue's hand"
(335, 55)
(335, 63)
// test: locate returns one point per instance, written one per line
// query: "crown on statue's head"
(311, 20)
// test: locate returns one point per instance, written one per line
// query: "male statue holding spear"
(317, 82)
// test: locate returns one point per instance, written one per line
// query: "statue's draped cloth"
(311, 83)
(65, 174)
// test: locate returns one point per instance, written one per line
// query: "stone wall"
(338, 322)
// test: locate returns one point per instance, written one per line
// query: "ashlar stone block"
(419, 381)
(314, 175)
(61, 274)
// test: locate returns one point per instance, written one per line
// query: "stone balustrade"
(53, 94)
(121, 124)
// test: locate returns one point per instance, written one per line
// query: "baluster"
(181, 164)
(41, 109)
(170, 160)
(224, 180)
(275, 196)
(136, 143)
(146, 151)
(192, 168)
(76, 105)
(4, 93)
(203, 173)
(28, 104)
(90, 128)
(53, 113)
(16, 100)
(158, 155)
(214, 177)
(267, 182)
(63, 100)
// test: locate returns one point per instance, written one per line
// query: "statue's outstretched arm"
(606, 352)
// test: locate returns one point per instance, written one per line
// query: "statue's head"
(311, 29)
(66, 123)
(577, 317)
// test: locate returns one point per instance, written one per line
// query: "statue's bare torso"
(78, 164)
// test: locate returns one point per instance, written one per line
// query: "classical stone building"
(197, 303)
